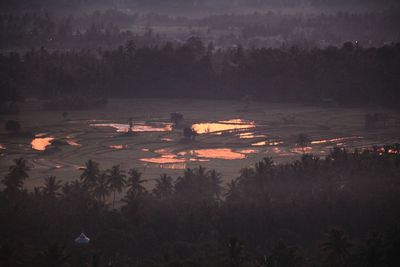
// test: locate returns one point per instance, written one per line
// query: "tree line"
(345, 75)
(342, 210)
(270, 29)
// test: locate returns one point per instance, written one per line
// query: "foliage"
(300, 213)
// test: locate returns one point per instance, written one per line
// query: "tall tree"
(102, 189)
(51, 186)
(164, 187)
(90, 174)
(18, 173)
(336, 247)
(135, 182)
(116, 180)
(303, 140)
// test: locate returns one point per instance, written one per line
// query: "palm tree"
(90, 174)
(130, 123)
(164, 187)
(215, 183)
(135, 187)
(232, 192)
(303, 141)
(51, 186)
(336, 246)
(18, 173)
(102, 189)
(116, 180)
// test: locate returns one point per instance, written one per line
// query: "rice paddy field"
(230, 136)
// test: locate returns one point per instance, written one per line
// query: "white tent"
(82, 239)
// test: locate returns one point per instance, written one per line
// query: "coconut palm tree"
(102, 189)
(232, 193)
(216, 182)
(130, 123)
(90, 174)
(116, 180)
(18, 173)
(303, 141)
(164, 187)
(336, 247)
(51, 186)
(135, 182)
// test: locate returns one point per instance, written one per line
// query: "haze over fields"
(237, 133)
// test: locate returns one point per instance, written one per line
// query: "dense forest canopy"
(347, 75)
(113, 27)
(338, 211)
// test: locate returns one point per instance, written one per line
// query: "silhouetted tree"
(303, 140)
(189, 133)
(90, 174)
(164, 187)
(336, 247)
(51, 187)
(134, 183)
(16, 176)
(116, 180)
(102, 189)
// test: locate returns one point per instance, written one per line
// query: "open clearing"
(230, 137)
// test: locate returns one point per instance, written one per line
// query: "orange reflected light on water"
(72, 142)
(41, 143)
(229, 125)
(164, 159)
(324, 141)
(250, 135)
(178, 166)
(138, 127)
(248, 151)
(265, 143)
(218, 153)
(302, 149)
(118, 146)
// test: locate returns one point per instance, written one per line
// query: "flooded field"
(227, 140)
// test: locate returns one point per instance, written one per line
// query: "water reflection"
(302, 150)
(163, 159)
(137, 127)
(217, 153)
(41, 143)
(248, 151)
(72, 142)
(334, 140)
(118, 146)
(267, 143)
(177, 166)
(228, 125)
(197, 155)
(250, 135)
(2, 146)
